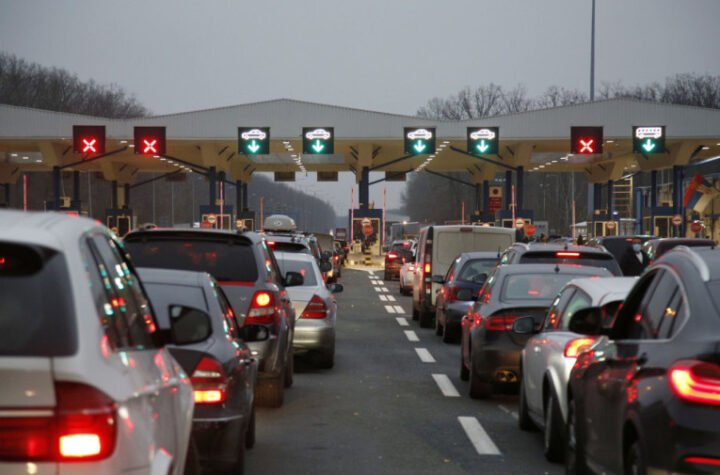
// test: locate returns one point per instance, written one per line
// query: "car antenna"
(557, 269)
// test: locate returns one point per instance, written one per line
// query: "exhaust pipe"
(506, 376)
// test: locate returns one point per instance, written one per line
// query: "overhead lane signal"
(318, 140)
(254, 140)
(586, 140)
(483, 140)
(150, 141)
(649, 139)
(89, 139)
(419, 141)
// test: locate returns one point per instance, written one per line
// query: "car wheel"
(386, 276)
(192, 459)
(326, 360)
(574, 453)
(553, 436)
(634, 460)
(438, 327)
(270, 392)
(447, 335)
(464, 372)
(524, 421)
(289, 370)
(416, 314)
(479, 389)
(426, 319)
(250, 434)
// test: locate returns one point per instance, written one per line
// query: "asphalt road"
(387, 407)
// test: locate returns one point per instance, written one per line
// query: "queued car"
(644, 398)
(490, 353)
(655, 248)
(398, 254)
(222, 370)
(247, 271)
(460, 287)
(551, 253)
(282, 236)
(315, 309)
(407, 272)
(551, 351)
(81, 377)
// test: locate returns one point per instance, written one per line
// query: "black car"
(490, 354)
(247, 271)
(655, 248)
(398, 254)
(461, 286)
(645, 397)
(558, 253)
(222, 370)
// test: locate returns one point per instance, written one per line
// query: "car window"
(552, 320)
(605, 261)
(451, 271)
(274, 274)
(163, 296)
(304, 268)
(533, 286)
(578, 301)
(473, 270)
(626, 324)
(229, 319)
(656, 306)
(37, 315)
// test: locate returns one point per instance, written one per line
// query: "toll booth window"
(36, 309)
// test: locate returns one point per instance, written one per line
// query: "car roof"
(550, 246)
(48, 229)
(294, 256)
(479, 255)
(680, 240)
(175, 277)
(457, 227)
(606, 289)
(551, 269)
(191, 233)
(705, 259)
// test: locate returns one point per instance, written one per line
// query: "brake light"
(703, 461)
(411, 268)
(567, 254)
(209, 382)
(577, 345)
(262, 309)
(696, 381)
(315, 308)
(336, 258)
(80, 428)
(392, 255)
(428, 268)
(271, 244)
(500, 322)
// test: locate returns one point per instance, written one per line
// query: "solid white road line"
(411, 335)
(383, 297)
(399, 309)
(389, 309)
(424, 355)
(390, 298)
(477, 435)
(446, 386)
(512, 414)
(402, 322)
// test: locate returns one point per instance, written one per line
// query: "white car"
(315, 308)
(549, 356)
(407, 272)
(87, 387)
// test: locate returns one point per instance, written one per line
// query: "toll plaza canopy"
(362, 141)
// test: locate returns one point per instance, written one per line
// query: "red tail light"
(80, 428)
(567, 254)
(262, 309)
(411, 268)
(315, 309)
(500, 322)
(577, 345)
(428, 268)
(336, 258)
(209, 382)
(696, 381)
(271, 244)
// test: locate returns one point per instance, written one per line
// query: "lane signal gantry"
(419, 141)
(254, 140)
(586, 140)
(483, 140)
(89, 139)
(649, 139)
(318, 140)
(150, 140)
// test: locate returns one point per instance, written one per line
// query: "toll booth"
(245, 220)
(659, 223)
(367, 228)
(484, 219)
(504, 217)
(120, 221)
(216, 219)
(65, 204)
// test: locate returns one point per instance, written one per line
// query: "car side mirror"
(438, 279)
(188, 325)
(335, 288)
(587, 321)
(524, 326)
(293, 279)
(250, 333)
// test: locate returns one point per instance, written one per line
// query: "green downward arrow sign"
(254, 146)
(318, 146)
(419, 146)
(482, 146)
(648, 145)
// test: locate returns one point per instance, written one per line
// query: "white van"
(437, 247)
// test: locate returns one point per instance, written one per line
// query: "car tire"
(524, 421)
(289, 371)
(464, 372)
(479, 389)
(634, 459)
(554, 442)
(448, 336)
(270, 392)
(326, 360)
(574, 452)
(438, 327)
(416, 314)
(426, 319)
(250, 433)
(386, 276)
(192, 458)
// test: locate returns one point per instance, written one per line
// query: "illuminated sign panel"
(89, 139)
(254, 140)
(150, 140)
(419, 141)
(586, 140)
(318, 140)
(649, 139)
(483, 141)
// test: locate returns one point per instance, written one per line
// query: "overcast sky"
(385, 55)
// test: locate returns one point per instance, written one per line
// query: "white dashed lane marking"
(390, 298)
(446, 386)
(389, 309)
(477, 435)
(402, 322)
(424, 355)
(377, 289)
(399, 309)
(383, 297)
(385, 289)
(512, 414)
(411, 335)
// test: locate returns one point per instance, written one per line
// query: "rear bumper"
(313, 336)
(497, 364)
(268, 354)
(217, 440)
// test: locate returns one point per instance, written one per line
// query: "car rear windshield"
(36, 307)
(304, 268)
(289, 247)
(533, 286)
(590, 259)
(476, 270)
(162, 296)
(226, 260)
